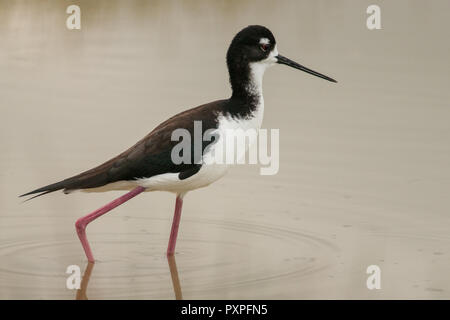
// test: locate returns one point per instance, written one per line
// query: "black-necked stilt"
(147, 166)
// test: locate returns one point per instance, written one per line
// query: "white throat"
(257, 70)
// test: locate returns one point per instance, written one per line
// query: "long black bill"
(290, 63)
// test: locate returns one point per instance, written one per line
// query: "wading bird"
(148, 165)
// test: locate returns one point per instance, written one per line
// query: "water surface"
(364, 164)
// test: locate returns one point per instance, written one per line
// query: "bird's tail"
(93, 178)
(47, 189)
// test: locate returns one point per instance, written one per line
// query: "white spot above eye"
(264, 41)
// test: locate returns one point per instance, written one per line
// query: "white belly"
(170, 181)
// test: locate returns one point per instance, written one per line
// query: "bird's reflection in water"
(81, 293)
(175, 278)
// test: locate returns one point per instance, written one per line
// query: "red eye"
(264, 46)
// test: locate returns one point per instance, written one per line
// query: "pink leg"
(82, 223)
(175, 225)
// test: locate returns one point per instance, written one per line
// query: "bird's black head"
(251, 51)
(251, 44)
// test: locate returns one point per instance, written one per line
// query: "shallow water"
(364, 164)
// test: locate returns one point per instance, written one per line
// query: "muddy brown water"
(364, 164)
